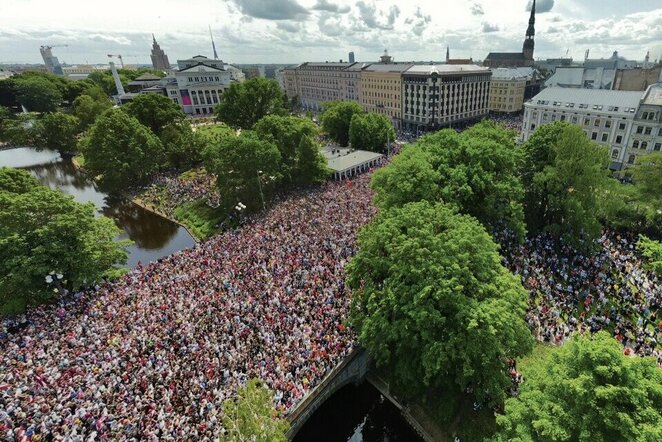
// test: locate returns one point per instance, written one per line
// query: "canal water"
(154, 236)
(357, 414)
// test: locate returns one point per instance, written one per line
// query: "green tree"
(43, 231)
(155, 111)
(286, 132)
(652, 252)
(181, 145)
(252, 417)
(476, 171)
(121, 151)
(565, 176)
(75, 89)
(370, 131)
(311, 166)
(432, 302)
(58, 131)
(38, 94)
(586, 390)
(409, 177)
(337, 118)
(244, 104)
(88, 108)
(247, 169)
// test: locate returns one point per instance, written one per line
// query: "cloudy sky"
(291, 31)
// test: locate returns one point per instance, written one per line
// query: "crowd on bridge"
(154, 355)
(573, 292)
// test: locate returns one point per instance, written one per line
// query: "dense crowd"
(154, 355)
(509, 121)
(575, 292)
(169, 191)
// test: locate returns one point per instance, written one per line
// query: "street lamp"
(55, 279)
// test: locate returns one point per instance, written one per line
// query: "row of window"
(206, 79)
(636, 144)
(597, 107)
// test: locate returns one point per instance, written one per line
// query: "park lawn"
(211, 132)
(201, 220)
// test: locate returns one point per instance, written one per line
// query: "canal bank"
(153, 236)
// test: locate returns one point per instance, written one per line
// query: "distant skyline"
(292, 31)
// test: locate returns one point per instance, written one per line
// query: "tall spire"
(448, 53)
(529, 43)
(213, 45)
(153, 38)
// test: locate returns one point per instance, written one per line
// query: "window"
(644, 144)
(604, 137)
(533, 127)
(657, 147)
(596, 123)
(619, 139)
(631, 159)
(635, 144)
(587, 121)
(594, 136)
(644, 116)
(621, 126)
(614, 154)
(648, 130)
(651, 116)
(608, 124)
(574, 119)
(640, 129)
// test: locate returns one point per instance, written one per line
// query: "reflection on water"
(154, 236)
(357, 414)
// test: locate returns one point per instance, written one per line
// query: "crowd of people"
(608, 289)
(154, 355)
(171, 190)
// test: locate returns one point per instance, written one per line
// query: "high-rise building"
(159, 58)
(50, 60)
(351, 57)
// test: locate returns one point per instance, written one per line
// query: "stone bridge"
(355, 368)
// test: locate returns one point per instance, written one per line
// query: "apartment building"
(381, 89)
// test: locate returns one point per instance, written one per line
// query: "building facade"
(159, 58)
(381, 90)
(638, 79)
(318, 83)
(350, 82)
(607, 117)
(199, 82)
(507, 90)
(441, 95)
(647, 131)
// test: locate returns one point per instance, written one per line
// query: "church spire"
(213, 45)
(153, 38)
(529, 43)
(448, 53)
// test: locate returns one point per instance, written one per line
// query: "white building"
(199, 82)
(647, 131)
(606, 116)
(580, 77)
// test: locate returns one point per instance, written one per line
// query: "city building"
(606, 116)
(638, 79)
(441, 95)
(143, 82)
(350, 82)
(580, 77)
(614, 62)
(80, 72)
(647, 131)
(289, 82)
(52, 63)
(159, 57)
(507, 90)
(317, 83)
(199, 82)
(549, 65)
(381, 89)
(346, 163)
(516, 59)
(351, 57)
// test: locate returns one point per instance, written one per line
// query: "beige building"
(441, 95)
(507, 90)
(289, 82)
(350, 82)
(637, 79)
(381, 90)
(318, 83)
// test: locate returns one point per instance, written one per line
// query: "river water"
(154, 236)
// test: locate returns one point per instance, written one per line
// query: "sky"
(293, 31)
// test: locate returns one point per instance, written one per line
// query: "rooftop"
(147, 77)
(505, 56)
(388, 67)
(620, 103)
(446, 69)
(511, 73)
(340, 159)
(654, 95)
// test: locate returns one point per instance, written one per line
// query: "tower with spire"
(213, 45)
(159, 58)
(529, 43)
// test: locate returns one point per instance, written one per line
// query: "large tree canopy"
(244, 104)
(247, 168)
(155, 111)
(121, 150)
(38, 94)
(564, 175)
(251, 416)
(432, 302)
(311, 166)
(586, 390)
(58, 131)
(475, 171)
(337, 118)
(88, 106)
(286, 132)
(370, 131)
(44, 231)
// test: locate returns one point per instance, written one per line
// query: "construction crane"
(119, 57)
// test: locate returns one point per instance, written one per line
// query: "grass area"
(79, 160)
(201, 220)
(540, 351)
(216, 130)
